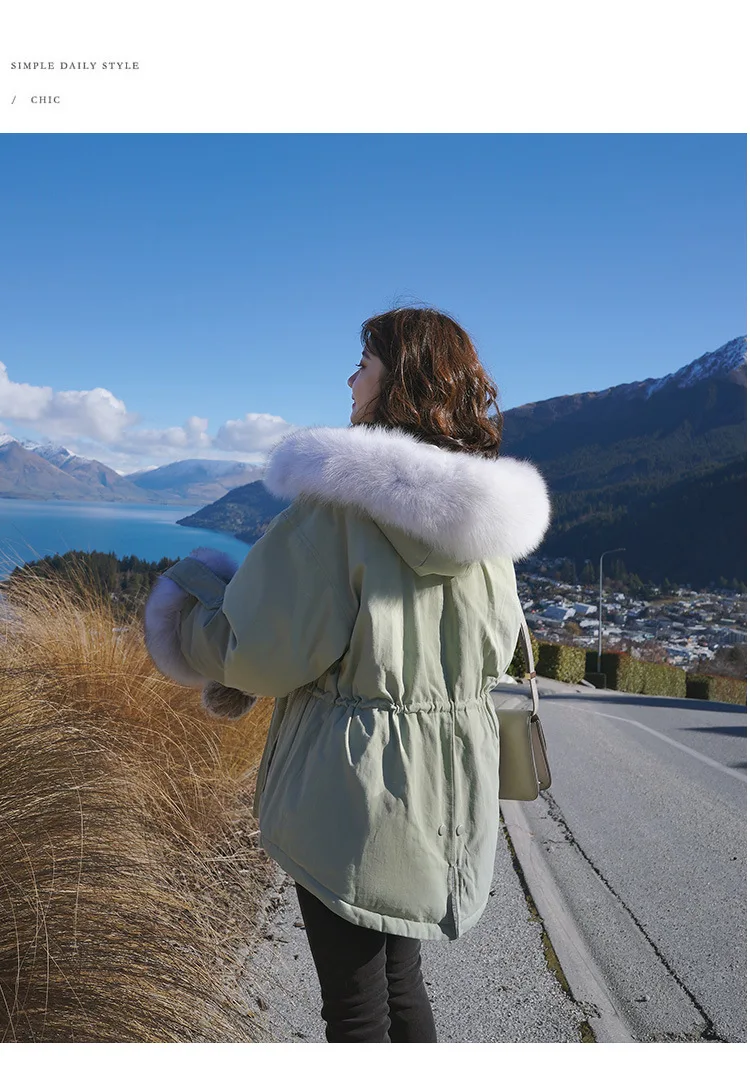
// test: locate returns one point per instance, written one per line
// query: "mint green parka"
(379, 609)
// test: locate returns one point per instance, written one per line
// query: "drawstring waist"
(390, 705)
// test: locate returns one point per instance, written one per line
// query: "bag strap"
(530, 665)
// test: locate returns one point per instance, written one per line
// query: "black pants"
(371, 982)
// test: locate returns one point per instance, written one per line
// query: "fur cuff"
(218, 700)
(220, 563)
(222, 702)
(161, 622)
(162, 619)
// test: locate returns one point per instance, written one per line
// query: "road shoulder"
(497, 983)
(612, 967)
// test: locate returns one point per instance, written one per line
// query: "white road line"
(662, 737)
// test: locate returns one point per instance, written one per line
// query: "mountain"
(196, 480)
(25, 475)
(46, 472)
(245, 512)
(658, 466)
(31, 471)
(93, 474)
(692, 531)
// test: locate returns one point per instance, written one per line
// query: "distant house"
(558, 613)
(583, 610)
(678, 657)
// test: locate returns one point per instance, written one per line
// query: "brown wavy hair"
(435, 387)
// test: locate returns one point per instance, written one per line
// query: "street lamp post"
(601, 564)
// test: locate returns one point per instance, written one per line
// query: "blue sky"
(224, 278)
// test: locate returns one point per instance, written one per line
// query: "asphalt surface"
(641, 846)
(491, 985)
(618, 905)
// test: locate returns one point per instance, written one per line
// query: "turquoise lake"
(30, 529)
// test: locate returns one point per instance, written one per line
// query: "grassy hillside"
(132, 885)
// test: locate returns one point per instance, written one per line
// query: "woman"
(380, 609)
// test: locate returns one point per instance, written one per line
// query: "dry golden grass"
(131, 887)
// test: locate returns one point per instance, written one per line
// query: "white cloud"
(95, 414)
(97, 425)
(193, 434)
(254, 432)
(22, 402)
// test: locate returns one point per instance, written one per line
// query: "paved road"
(495, 984)
(635, 863)
(639, 850)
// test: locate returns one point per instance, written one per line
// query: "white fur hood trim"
(465, 506)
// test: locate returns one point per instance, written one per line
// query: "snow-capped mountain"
(34, 471)
(30, 471)
(53, 453)
(196, 480)
(192, 469)
(728, 362)
(199, 480)
(6, 438)
(657, 466)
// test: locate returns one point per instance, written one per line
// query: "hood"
(441, 510)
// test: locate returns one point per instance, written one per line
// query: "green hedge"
(561, 662)
(620, 669)
(517, 667)
(628, 674)
(599, 680)
(664, 680)
(625, 673)
(719, 689)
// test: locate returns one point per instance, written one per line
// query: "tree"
(635, 586)
(588, 575)
(727, 662)
(650, 651)
(109, 578)
(566, 572)
(619, 572)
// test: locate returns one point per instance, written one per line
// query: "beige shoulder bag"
(524, 768)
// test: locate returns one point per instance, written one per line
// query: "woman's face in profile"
(365, 385)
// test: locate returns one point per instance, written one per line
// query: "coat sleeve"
(280, 622)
